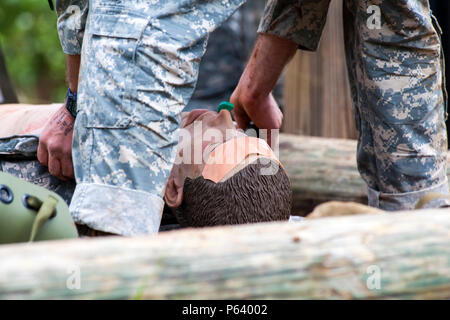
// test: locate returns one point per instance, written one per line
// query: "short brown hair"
(247, 197)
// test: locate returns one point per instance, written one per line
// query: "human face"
(201, 131)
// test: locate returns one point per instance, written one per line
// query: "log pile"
(402, 255)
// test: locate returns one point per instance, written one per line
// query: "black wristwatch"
(71, 103)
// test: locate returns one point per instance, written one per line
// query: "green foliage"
(30, 43)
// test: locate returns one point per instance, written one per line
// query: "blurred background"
(31, 49)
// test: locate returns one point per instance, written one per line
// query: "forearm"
(72, 71)
(270, 55)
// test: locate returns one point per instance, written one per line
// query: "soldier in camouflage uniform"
(139, 66)
(395, 67)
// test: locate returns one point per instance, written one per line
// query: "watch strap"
(71, 102)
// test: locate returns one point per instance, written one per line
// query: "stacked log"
(321, 170)
(381, 256)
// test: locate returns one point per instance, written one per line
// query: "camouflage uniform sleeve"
(301, 21)
(72, 16)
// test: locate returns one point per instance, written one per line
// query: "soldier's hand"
(264, 112)
(55, 145)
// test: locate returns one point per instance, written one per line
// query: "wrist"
(251, 98)
(72, 71)
(73, 88)
(71, 102)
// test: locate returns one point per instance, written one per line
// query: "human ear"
(174, 193)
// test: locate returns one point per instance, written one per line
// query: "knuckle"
(42, 143)
(54, 147)
(67, 151)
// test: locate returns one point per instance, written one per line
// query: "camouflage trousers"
(139, 66)
(395, 68)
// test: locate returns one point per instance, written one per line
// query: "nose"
(223, 116)
(225, 113)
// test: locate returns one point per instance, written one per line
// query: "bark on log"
(321, 170)
(406, 254)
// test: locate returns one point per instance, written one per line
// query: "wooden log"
(385, 256)
(321, 170)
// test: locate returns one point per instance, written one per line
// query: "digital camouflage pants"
(395, 68)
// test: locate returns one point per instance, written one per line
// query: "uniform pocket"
(107, 88)
(117, 22)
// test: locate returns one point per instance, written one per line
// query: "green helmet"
(32, 213)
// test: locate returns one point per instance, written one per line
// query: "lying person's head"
(236, 179)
